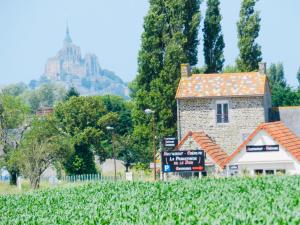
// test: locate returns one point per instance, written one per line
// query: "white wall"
(266, 160)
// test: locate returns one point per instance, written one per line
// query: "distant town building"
(42, 111)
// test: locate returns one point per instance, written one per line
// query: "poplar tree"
(213, 38)
(170, 38)
(248, 29)
(298, 76)
(276, 74)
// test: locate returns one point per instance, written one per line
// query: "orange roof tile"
(208, 146)
(225, 84)
(280, 133)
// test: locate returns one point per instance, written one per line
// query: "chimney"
(185, 70)
(262, 68)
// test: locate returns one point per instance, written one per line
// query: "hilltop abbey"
(70, 69)
(69, 61)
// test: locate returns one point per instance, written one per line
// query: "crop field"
(261, 200)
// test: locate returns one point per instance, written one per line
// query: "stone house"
(226, 107)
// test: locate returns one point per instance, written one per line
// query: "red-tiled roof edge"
(189, 134)
(193, 135)
(237, 151)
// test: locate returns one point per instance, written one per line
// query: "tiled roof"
(226, 84)
(280, 133)
(207, 145)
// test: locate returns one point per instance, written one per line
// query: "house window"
(222, 113)
(269, 172)
(280, 172)
(258, 172)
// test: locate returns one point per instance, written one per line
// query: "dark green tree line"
(282, 93)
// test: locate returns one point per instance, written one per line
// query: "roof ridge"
(227, 73)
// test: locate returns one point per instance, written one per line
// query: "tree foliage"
(170, 38)
(213, 38)
(85, 119)
(248, 30)
(231, 69)
(79, 118)
(282, 94)
(72, 92)
(13, 123)
(43, 144)
(276, 74)
(298, 77)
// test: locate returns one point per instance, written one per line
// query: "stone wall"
(245, 114)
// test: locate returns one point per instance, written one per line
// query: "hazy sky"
(33, 30)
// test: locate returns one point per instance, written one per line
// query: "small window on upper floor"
(222, 113)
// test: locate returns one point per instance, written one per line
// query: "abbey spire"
(68, 39)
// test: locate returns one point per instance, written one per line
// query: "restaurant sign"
(179, 161)
(262, 148)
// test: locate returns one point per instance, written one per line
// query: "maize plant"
(260, 200)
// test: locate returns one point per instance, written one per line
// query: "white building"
(271, 149)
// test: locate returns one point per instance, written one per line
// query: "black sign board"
(170, 142)
(262, 148)
(179, 161)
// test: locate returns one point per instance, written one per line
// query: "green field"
(261, 200)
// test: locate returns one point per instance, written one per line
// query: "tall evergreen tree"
(213, 38)
(298, 76)
(248, 29)
(170, 38)
(150, 56)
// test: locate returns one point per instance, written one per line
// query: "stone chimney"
(262, 68)
(185, 70)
